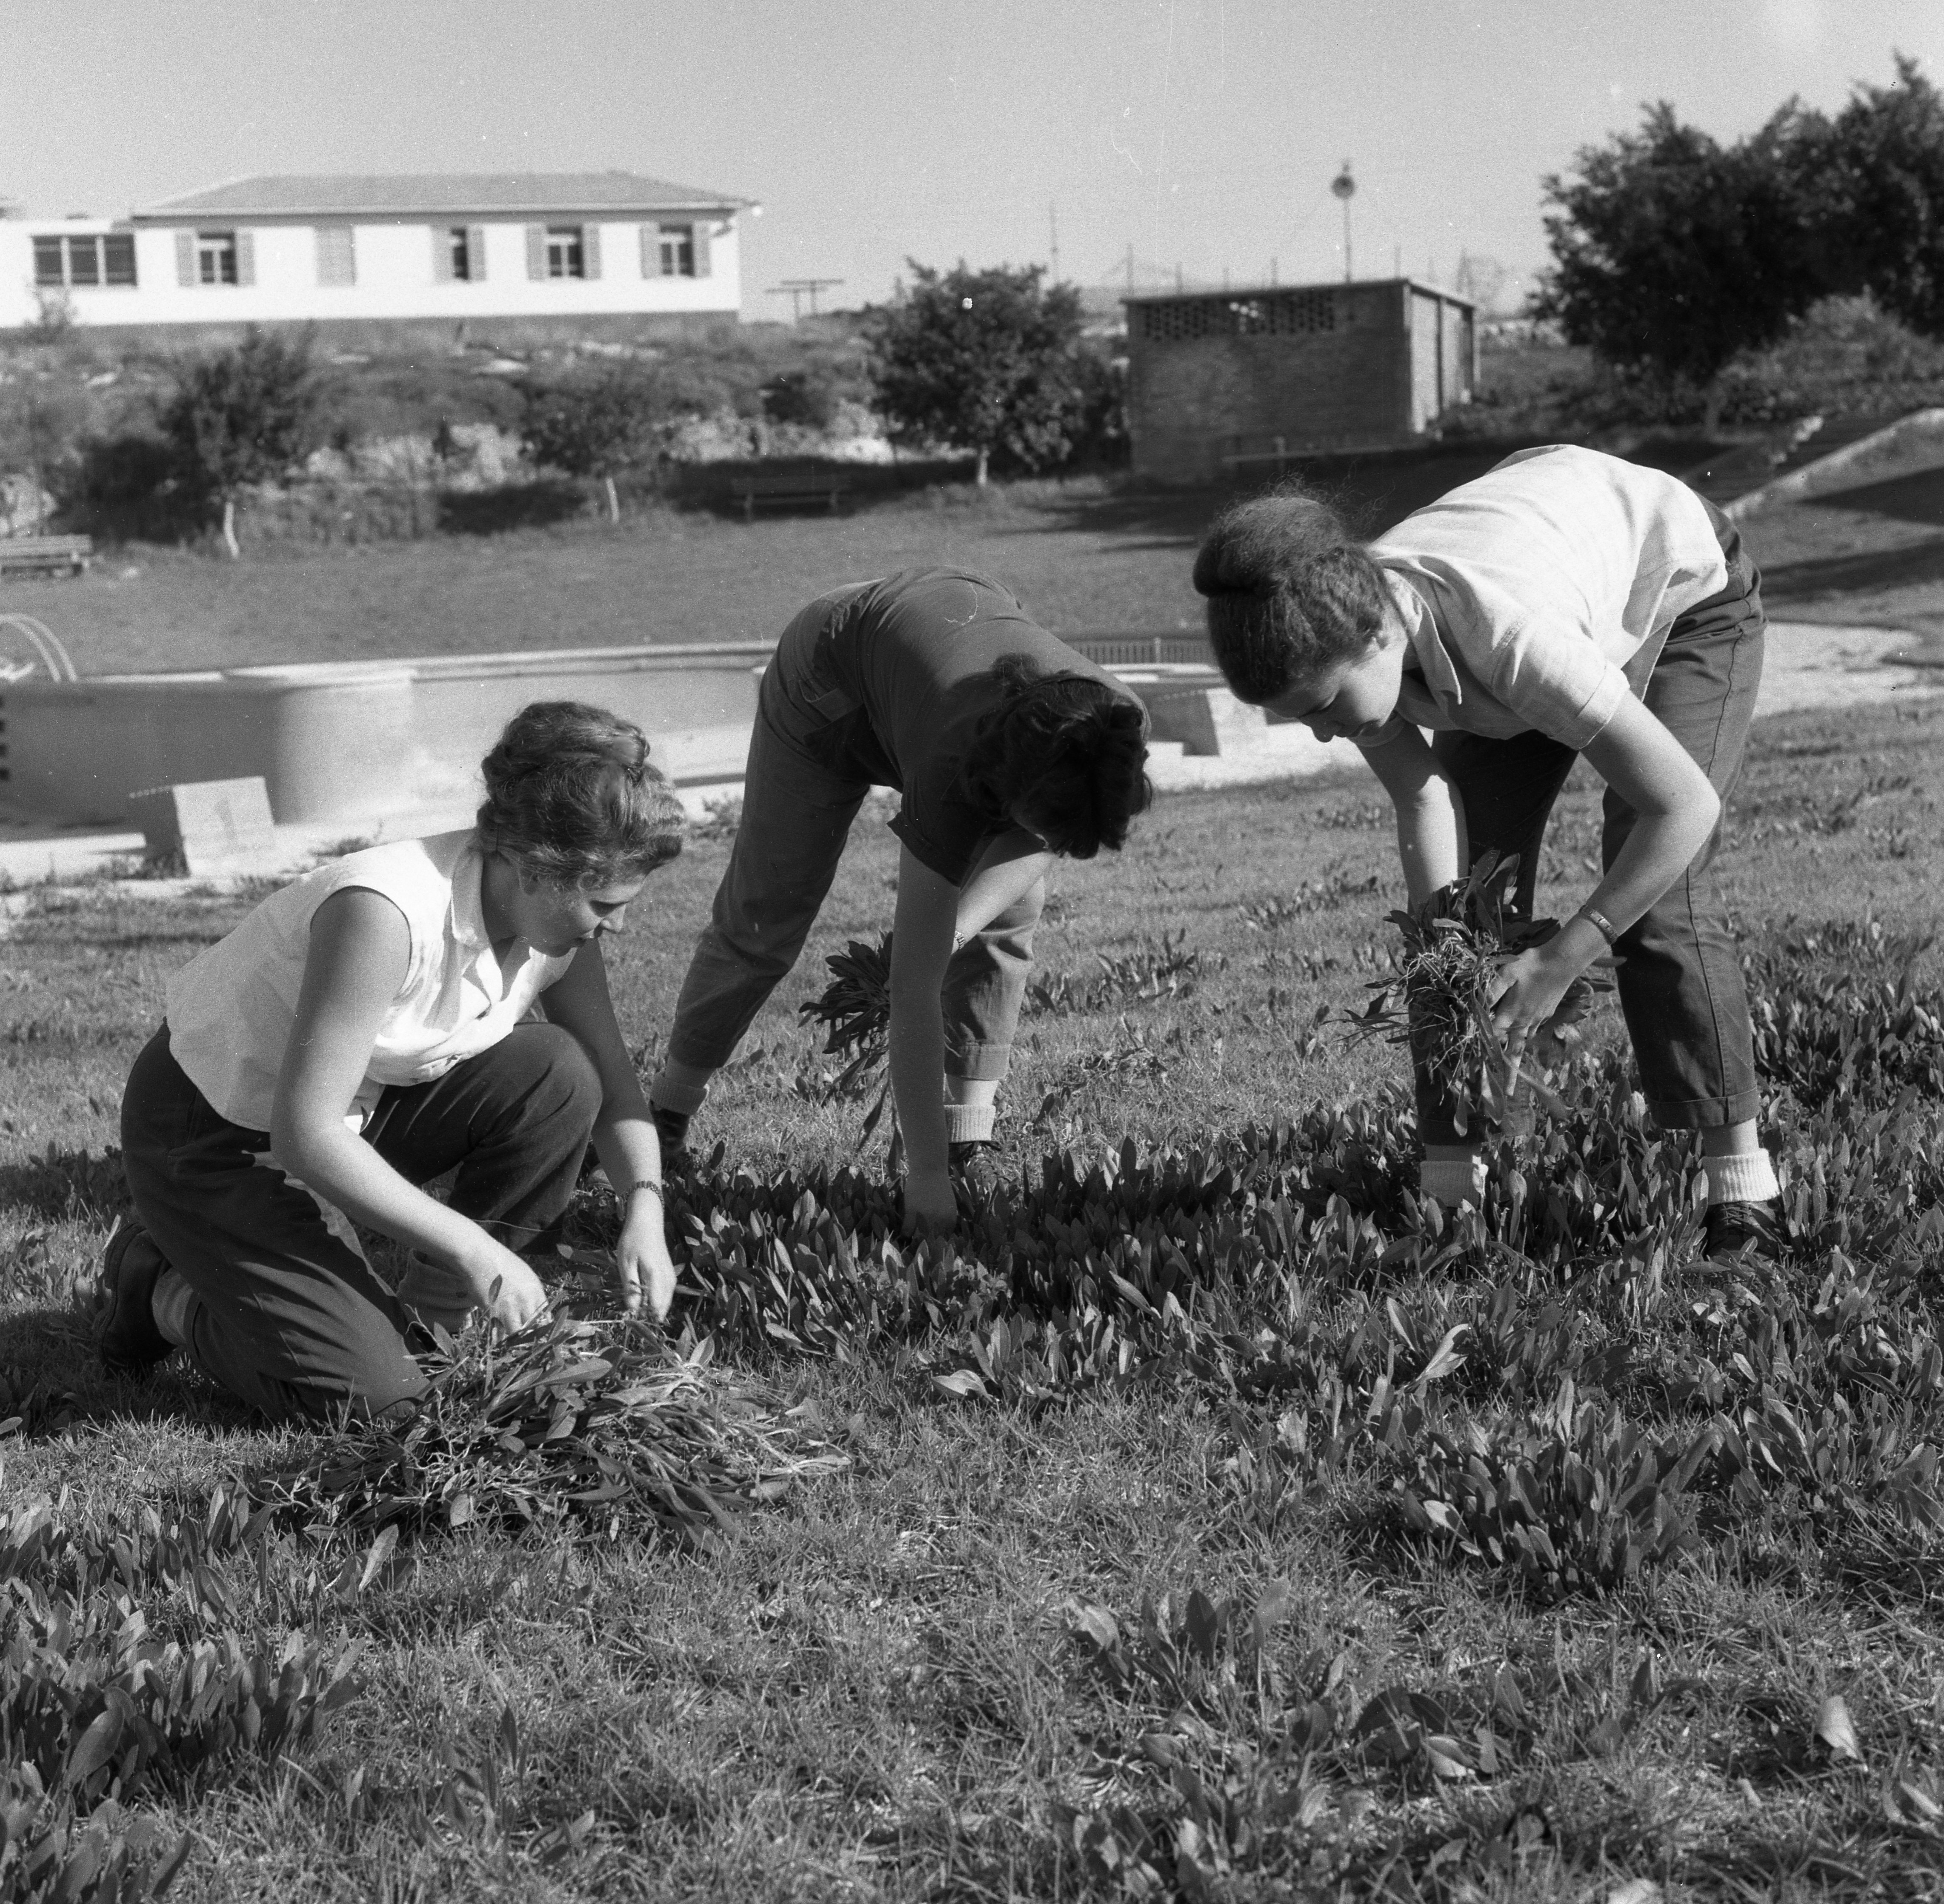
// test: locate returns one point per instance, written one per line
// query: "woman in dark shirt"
(1009, 749)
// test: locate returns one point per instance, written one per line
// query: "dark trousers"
(1681, 984)
(796, 816)
(287, 1314)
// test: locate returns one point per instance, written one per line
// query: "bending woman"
(1009, 748)
(368, 1029)
(1564, 603)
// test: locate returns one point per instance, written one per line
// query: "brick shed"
(1229, 383)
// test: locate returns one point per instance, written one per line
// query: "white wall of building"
(396, 276)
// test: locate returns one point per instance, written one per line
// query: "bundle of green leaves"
(856, 1006)
(568, 1420)
(1439, 1000)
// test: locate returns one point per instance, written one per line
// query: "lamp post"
(1345, 186)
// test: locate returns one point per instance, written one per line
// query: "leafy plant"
(991, 360)
(571, 1420)
(600, 424)
(856, 1006)
(1440, 1002)
(240, 417)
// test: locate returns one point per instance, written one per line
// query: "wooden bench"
(44, 554)
(804, 488)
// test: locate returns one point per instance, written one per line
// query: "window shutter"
(475, 253)
(651, 251)
(536, 250)
(590, 251)
(246, 258)
(336, 255)
(441, 255)
(702, 229)
(186, 257)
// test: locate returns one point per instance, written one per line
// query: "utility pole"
(1052, 226)
(1345, 186)
(797, 289)
(1131, 270)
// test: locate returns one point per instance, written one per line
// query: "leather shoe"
(1737, 1230)
(125, 1332)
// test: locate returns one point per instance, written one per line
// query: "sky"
(1200, 136)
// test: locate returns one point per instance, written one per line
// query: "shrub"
(241, 417)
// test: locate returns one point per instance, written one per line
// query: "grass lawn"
(1181, 1620)
(1089, 554)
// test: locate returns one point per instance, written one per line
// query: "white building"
(514, 256)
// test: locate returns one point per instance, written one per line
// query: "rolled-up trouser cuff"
(681, 1087)
(986, 1063)
(1705, 1113)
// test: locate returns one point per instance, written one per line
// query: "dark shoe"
(672, 1128)
(125, 1331)
(1738, 1229)
(976, 1166)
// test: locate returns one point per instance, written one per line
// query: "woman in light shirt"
(433, 1006)
(1565, 602)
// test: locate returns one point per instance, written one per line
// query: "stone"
(215, 826)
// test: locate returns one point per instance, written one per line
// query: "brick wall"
(1342, 381)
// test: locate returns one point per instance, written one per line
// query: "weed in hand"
(1439, 1001)
(856, 1007)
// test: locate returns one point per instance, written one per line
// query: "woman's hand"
(1531, 989)
(485, 1275)
(642, 1258)
(930, 1202)
(521, 1297)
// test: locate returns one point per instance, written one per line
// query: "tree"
(988, 359)
(39, 425)
(1883, 160)
(240, 417)
(600, 423)
(1672, 252)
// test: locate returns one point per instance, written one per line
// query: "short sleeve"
(1600, 707)
(948, 848)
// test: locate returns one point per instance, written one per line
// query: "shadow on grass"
(1911, 566)
(517, 505)
(63, 1184)
(52, 1383)
(1917, 497)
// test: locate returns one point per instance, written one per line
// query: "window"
(1297, 314)
(216, 257)
(677, 250)
(462, 254)
(565, 257)
(93, 258)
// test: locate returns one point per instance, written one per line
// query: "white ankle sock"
(1746, 1177)
(968, 1123)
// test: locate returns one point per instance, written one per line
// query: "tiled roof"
(442, 194)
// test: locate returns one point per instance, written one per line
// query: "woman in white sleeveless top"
(429, 1006)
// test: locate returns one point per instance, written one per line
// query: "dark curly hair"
(1291, 592)
(571, 797)
(1064, 754)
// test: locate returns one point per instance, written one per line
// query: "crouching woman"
(1009, 749)
(430, 1006)
(1565, 602)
